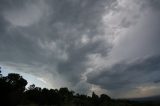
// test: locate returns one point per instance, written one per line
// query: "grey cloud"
(76, 64)
(124, 75)
(52, 44)
(126, 68)
(154, 4)
(56, 37)
(157, 81)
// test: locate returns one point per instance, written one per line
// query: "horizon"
(103, 46)
(32, 80)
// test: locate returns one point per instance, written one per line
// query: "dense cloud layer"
(106, 46)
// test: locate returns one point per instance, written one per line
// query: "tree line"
(13, 92)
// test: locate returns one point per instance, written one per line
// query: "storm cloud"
(106, 46)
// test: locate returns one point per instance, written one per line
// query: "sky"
(105, 46)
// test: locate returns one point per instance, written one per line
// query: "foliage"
(14, 93)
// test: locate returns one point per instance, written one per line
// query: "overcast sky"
(105, 46)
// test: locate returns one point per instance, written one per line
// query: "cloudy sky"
(105, 46)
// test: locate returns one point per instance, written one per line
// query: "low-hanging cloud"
(126, 67)
(97, 44)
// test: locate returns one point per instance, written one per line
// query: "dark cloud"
(157, 81)
(132, 65)
(154, 4)
(128, 75)
(52, 36)
(70, 41)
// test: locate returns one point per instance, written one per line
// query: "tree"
(31, 87)
(12, 88)
(104, 97)
(0, 73)
(17, 81)
(95, 99)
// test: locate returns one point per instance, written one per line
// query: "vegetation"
(14, 93)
